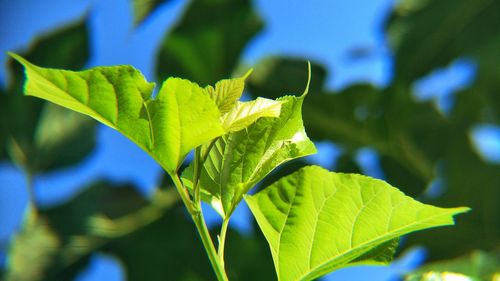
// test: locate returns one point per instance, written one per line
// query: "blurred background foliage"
(423, 148)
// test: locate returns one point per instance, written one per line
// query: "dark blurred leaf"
(346, 164)
(57, 245)
(142, 8)
(170, 248)
(431, 34)
(32, 250)
(206, 44)
(247, 257)
(278, 76)
(479, 265)
(33, 132)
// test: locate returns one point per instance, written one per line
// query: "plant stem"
(222, 239)
(184, 194)
(218, 267)
(199, 221)
(196, 176)
(210, 146)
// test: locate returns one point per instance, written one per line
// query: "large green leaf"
(317, 221)
(241, 159)
(180, 118)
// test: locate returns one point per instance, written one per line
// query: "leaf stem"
(196, 176)
(184, 194)
(210, 146)
(199, 221)
(217, 265)
(222, 239)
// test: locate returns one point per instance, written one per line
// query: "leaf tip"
(17, 57)
(462, 210)
(247, 74)
(306, 90)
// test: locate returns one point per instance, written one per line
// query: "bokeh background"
(407, 91)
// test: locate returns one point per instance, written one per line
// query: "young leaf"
(181, 117)
(227, 92)
(241, 159)
(316, 221)
(243, 114)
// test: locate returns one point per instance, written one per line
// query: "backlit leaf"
(227, 92)
(243, 114)
(316, 221)
(241, 159)
(180, 118)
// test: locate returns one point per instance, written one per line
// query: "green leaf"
(243, 114)
(180, 118)
(241, 159)
(317, 221)
(239, 115)
(227, 92)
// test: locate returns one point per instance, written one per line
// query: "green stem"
(201, 226)
(205, 155)
(184, 194)
(196, 176)
(218, 267)
(222, 239)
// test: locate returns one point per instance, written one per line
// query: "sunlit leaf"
(180, 118)
(241, 159)
(243, 114)
(227, 92)
(316, 221)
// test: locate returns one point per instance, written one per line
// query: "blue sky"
(324, 31)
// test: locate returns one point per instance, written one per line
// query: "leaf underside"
(241, 159)
(316, 221)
